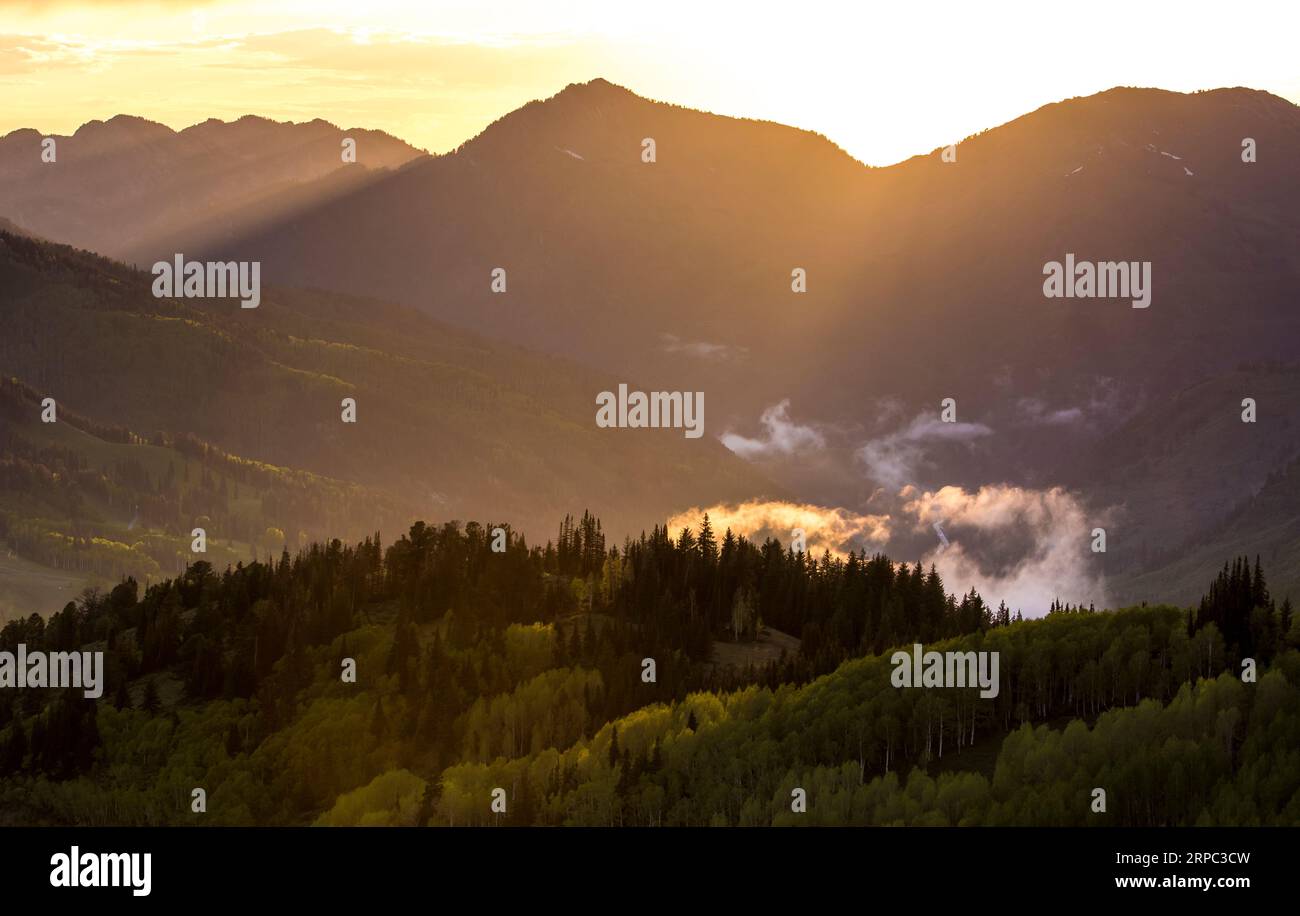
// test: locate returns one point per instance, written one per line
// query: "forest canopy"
(509, 686)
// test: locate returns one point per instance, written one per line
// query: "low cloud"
(1097, 402)
(894, 459)
(889, 408)
(836, 530)
(1035, 411)
(1023, 546)
(700, 349)
(782, 436)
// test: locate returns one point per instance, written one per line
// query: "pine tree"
(428, 803)
(575, 645)
(522, 811)
(708, 545)
(150, 702)
(234, 743)
(1259, 594)
(15, 748)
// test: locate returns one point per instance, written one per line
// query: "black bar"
(873, 865)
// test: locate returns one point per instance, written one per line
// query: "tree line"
(524, 668)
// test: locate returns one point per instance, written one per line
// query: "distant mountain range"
(924, 282)
(126, 185)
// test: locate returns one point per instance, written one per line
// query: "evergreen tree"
(234, 742)
(15, 748)
(708, 545)
(150, 703)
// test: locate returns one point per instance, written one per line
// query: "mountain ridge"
(124, 120)
(128, 183)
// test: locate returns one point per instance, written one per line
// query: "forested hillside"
(524, 669)
(101, 503)
(445, 420)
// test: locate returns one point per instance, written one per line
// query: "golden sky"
(883, 80)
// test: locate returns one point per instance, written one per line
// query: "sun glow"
(885, 81)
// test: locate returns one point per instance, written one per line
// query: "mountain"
(607, 253)
(604, 254)
(924, 282)
(1189, 457)
(447, 423)
(924, 279)
(126, 184)
(1265, 524)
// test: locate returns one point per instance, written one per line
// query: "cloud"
(21, 54)
(833, 529)
(1020, 545)
(783, 436)
(888, 408)
(703, 349)
(893, 460)
(1098, 399)
(1035, 411)
(434, 90)
(1106, 401)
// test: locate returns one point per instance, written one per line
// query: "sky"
(883, 80)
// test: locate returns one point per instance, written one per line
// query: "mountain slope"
(925, 279)
(607, 253)
(446, 422)
(82, 503)
(1265, 524)
(1181, 460)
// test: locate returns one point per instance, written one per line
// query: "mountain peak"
(600, 84)
(123, 125)
(594, 90)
